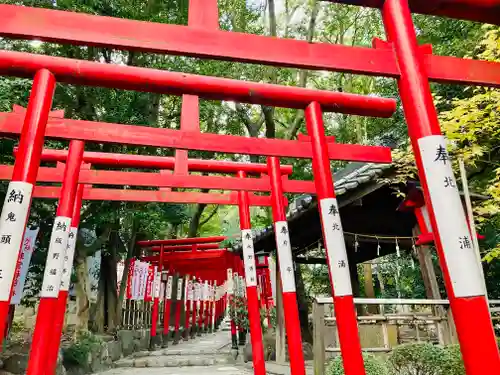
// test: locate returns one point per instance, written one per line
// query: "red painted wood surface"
(100, 177)
(83, 72)
(182, 241)
(125, 195)
(189, 41)
(146, 136)
(159, 162)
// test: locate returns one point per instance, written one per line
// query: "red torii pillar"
(463, 279)
(251, 282)
(167, 307)
(189, 303)
(178, 307)
(49, 300)
(20, 190)
(155, 338)
(53, 352)
(286, 268)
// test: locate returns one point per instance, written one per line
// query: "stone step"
(178, 352)
(177, 361)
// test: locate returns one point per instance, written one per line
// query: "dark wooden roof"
(367, 205)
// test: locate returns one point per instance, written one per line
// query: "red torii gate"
(195, 244)
(348, 152)
(141, 162)
(184, 256)
(401, 59)
(49, 175)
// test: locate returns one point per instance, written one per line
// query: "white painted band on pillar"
(68, 259)
(170, 283)
(197, 293)
(230, 282)
(190, 294)
(12, 224)
(335, 247)
(205, 293)
(179, 288)
(55, 257)
(452, 225)
(157, 283)
(249, 257)
(285, 260)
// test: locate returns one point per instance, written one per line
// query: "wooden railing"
(385, 323)
(137, 314)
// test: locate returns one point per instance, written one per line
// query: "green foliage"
(418, 359)
(454, 364)
(266, 327)
(239, 312)
(373, 366)
(79, 352)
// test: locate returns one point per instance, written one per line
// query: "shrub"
(418, 359)
(78, 354)
(454, 363)
(373, 366)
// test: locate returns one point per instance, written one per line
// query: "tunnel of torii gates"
(400, 57)
(76, 176)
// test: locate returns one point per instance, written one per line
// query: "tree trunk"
(195, 220)
(105, 319)
(82, 290)
(82, 284)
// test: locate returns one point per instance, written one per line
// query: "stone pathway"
(206, 355)
(205, 370)
(209, 354)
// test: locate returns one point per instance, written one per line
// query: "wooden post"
(427, 269)
(319, 338)
(280, 322)
(452, 331)
(369, 289)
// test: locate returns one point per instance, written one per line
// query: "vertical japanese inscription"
(230, 282)
(450, 218)
(190, 294)
(157, 283)
(179, 288)
(197, 291)
(55, 257)
(169, 287)
(68, 259)
(335, 247)
(285, 256)
(205, 294)
(12, 221)
(249, 257)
